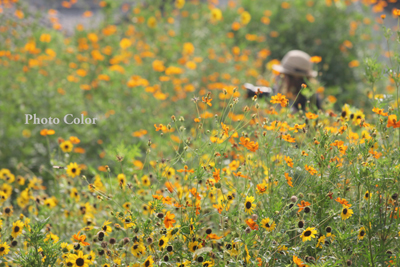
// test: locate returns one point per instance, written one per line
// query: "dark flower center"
(7, 210)
(2, 249)
(366, 195)
(362, 233)
(345, 211)
(267, 225)
(80, 261)
(248, 205)
(307, 233)
(147, 263)
(66, 146)
(16, 229)
(194, 247)
(344, 113)
(161, 243)
(73, 170)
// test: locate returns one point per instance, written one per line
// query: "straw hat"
(296, 63)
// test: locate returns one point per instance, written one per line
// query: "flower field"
(132, 142)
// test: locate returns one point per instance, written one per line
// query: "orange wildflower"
(342, 129)
(297, 127)
(87, 14)
(337, 143)
(261, 188)
(288, 138)
(79, 150)
(207, 100)
(342, 149)
(315, 59)
(311, 116)
(354, 63)
(396, 213)
(169, 220)
(279, 99)
(379, 111)
(252, 224)
(213, 236)
(310, 169)
(302, 205)
(289, 161)
(298, 261)
(160, 127)
(75, 140)
(239, 174)
(167, 200)
(46, 132)
(250, 145)
(288, 179)
(343, 202)
(218, 207)
(194, 193)
(244, 141)
(392, 122)
(225, 128)
(216, 175)
(375, 154)
(169, 186)
(186, 170)
(81, 239)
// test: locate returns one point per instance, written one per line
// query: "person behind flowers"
(295, 75)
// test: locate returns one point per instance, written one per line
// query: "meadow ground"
(159, 159)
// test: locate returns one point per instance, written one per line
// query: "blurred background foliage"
(135, 65)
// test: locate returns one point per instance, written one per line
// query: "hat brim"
(281, 69)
